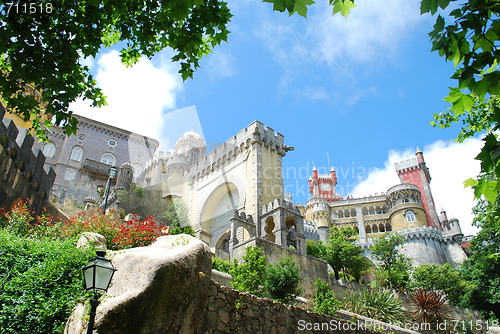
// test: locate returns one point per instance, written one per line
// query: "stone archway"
(291, 235)
(269, 229)
(222, 246)
(217, 210)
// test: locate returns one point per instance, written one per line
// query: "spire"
(420, 156)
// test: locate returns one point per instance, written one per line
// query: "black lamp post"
(111, 174)
(97, 275)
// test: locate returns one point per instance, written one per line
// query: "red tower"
(323, 185)
(415, 171)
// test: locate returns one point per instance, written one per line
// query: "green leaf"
(343, 7)
(488, 188)
(278, 5)
(444, 3)
(470, 183)
(428, 6)
(461, 102)
(301, 7)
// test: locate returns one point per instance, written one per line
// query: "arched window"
(49, 150)
(70, 174)
(76, 153)
(108, 159)
(410, 216)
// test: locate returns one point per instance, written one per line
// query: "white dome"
(190, 141)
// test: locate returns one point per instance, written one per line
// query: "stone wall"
(22, 173)
(231, 311)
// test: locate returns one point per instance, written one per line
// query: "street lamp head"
(98, 273)
(112, 171)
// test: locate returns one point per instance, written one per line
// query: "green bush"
(439, 277)
(40, 283)
(376, 304)
(251, 275)
(324, 299)
(282, 282)
(222, 265)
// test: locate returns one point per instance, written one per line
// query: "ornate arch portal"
(217, 211)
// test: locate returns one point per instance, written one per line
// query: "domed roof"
(191, 135)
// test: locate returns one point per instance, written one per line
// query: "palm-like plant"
(376, 304)
(429, 306)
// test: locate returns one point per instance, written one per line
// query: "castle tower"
(323, 185)
(318, 211)
(191, 145)
(415, 171)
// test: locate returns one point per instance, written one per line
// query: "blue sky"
(361, 91)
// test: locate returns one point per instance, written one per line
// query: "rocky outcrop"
(91, 239)
(157, 289)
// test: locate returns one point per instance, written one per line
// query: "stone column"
(232, 239)
(361, 224)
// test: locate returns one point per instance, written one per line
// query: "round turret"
(191, 145)
(125, 176)
(405, 207)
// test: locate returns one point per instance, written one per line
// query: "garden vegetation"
(40, 267)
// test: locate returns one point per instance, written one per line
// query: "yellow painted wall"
(398, 218)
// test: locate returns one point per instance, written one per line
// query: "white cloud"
(372, 32)
(449, 163)
(137, 96)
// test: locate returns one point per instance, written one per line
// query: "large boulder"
(162, 288)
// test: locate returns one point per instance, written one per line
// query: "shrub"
(137, 233)
(324, 299)
(376, 304)
(283, 279)
(430, 306)
(40, 283)
(18, 220)
(222, 265)
(251, 275)
(182, 230)
(439, 277)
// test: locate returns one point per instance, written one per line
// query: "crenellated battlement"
(428, 232)
(22, 171)
(406, 164)
(236, 146)
(280, 203)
